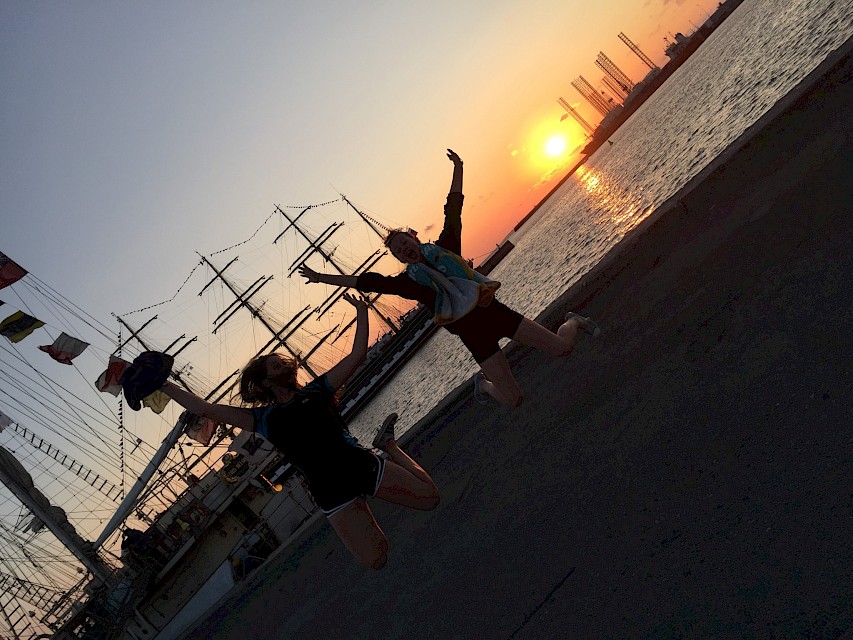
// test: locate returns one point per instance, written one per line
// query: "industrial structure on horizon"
(617, 96)
(617, 82)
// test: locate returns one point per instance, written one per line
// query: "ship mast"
(19, 482)
(316, 246)
(375, 225)
(243, 300)
(39, 595)
(127, 505)
(279, 338)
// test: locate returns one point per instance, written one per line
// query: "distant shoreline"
(602, 134)
(584, 289)
(550, 193)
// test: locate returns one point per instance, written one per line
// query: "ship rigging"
(94, 515)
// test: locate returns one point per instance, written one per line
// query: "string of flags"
(10, 271)
(65, 348)
(19, 325)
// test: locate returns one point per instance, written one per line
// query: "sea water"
(747, 65)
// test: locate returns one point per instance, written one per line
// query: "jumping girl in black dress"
(463, 300)
(304, 423)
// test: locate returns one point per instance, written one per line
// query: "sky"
(134, 134)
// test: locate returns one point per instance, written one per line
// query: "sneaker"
(386, 432)
(587, 324)
(479, 395)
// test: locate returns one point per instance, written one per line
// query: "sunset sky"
(135, 134)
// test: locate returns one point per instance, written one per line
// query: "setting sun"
(555, 146)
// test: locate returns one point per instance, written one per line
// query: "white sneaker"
(479, 395)
(587, 324)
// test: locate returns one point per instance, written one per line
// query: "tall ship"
(123, 524)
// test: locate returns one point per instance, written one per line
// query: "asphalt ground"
(685, 475)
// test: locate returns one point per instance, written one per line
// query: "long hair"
(393, 232)
(254, 374)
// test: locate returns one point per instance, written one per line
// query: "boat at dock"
(212, 504)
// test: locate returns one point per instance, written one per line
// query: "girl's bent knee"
(432, 501)
(566, 351)
(379, 562)
(514, 402)
(380, 558)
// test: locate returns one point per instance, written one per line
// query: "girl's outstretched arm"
(326, 278)
(456, 180)
(340, 373)
(451, 233)
(236, 416)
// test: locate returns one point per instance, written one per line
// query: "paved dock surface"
(685, 475)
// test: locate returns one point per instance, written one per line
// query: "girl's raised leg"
(361, 534)
(499, 381)
(405, 482)
(535, 335)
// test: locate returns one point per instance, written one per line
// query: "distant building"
(675, 48)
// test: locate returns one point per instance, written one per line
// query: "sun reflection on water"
(616, 205)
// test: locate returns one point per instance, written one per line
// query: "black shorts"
(481, 329)
(358, 473)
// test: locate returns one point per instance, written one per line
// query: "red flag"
(10, 271)
(110, 380)
(65, 348)
(199, 429)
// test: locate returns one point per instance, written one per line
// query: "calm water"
(750, 62)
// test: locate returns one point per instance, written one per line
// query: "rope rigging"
(49, 404)
(81, 471)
